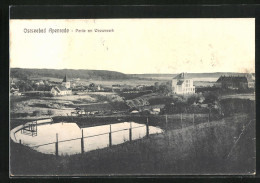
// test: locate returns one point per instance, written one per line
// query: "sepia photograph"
(132, 96)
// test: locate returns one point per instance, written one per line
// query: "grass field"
(61, 105)
(209, 148)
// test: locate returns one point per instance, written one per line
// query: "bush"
(192, 99)
(37, 113)
(211, 97)
(18, 115)
(160, 100)
(50, 112)
(230, 106)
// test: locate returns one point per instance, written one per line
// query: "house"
(39, 82)
(14, 89)
(60, 90)
(140, 87)
(182, 84)
(232, 82)
(250, 80)
(155, 111)
(93, 87)
(117, 88)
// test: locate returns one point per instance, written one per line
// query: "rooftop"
(232, 79)
(180, 82)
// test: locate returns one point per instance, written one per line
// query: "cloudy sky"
(137, 45)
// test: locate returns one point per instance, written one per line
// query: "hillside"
(71, 73)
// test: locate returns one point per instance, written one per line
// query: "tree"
(50, 112)
(192, 99)
(165, 89)
(156, 86)
(25, 85)
(211, 97)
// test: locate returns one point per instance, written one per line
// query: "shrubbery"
(160, 100)
(39, 94)
(234, 105)
(37, 113)
(50, 112)
(211, 97)
(129, 96)
(192, 103)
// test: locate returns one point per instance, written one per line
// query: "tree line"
(71, 73)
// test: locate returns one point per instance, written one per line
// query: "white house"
(182, 84)
(63, 88)
(60, 90)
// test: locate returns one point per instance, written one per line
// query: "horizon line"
(134, 73)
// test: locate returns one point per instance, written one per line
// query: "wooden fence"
(85, 137)
(168, 123)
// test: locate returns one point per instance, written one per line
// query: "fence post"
(209, 115)
(82, 142)
(147, 128)
(130, 132)
(57, 146)
(181, 121)
(193, 119)
(166, 121)
(110, 137)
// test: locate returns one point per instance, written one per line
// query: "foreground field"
(219, 147)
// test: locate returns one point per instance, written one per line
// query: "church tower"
(66, 82)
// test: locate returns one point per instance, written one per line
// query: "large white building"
(182, 85)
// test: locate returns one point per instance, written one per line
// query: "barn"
(232, 82)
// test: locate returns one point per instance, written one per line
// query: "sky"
(136, 46)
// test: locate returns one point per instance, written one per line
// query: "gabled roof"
(183, 76)
(232, 79)
(57, 90)
(180, 82)
(180, 76)
(61, 88)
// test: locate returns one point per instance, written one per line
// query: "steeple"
(66, 82)
(65, 79)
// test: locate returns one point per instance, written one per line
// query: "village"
(75, 97)
(66, 119)
(141, 96)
